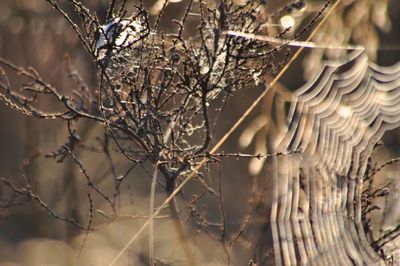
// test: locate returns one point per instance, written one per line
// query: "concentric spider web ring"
(334, 120)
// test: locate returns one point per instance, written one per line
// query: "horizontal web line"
(305, 44)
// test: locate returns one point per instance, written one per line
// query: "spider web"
(334, 121)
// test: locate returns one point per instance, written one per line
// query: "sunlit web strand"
(308, 44)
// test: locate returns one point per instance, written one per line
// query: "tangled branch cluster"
(155, 89)
(159, 93)
(156, 94)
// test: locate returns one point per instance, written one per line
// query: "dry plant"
(158, 100)
(160, 94)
